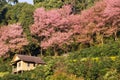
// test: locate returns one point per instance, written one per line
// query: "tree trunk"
(41, 52)
(115, 38)
(99, 38)
(55, 52)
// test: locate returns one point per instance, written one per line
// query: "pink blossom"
(59, 26)
(11, 38)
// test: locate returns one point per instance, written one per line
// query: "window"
(19, 64)
(34, 64)
(28, 64)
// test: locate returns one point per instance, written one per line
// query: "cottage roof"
(27, 58)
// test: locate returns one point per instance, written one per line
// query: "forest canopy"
(60, 29)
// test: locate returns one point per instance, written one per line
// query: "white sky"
(28, 1)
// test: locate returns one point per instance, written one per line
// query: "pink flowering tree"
(53, 27)
(101, 20)
(11, 38)
(58, 27)
(111, 16)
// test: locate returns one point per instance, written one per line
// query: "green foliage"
(15, 77)
(36, 1)
(5, 65)
(21, 13)
(49, 4)
(78, 5)
(99, 69)
(111, 75)
(31, 49)
(2, 3)
(3, 73)
(107, 49)
(62, 76)
(3, 11)
(92, 70)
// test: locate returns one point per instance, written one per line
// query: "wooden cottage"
(22, 63)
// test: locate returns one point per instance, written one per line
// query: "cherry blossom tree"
(104, 17)
(54, 28)
(11, 38)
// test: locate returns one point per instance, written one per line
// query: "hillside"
(78, 40)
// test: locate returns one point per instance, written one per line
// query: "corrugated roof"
(34, 59)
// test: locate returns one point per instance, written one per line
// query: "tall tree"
(49, 24)
(3, 11)
(11, 38)
(37, 1)
(2, 2)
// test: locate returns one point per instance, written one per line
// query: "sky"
(28, 1)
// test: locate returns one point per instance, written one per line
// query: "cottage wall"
(19, 66)
(24, 66)
(27, 65)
